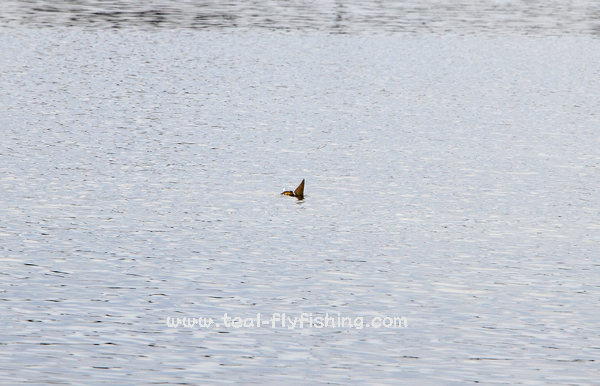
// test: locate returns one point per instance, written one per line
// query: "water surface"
(504, 17)
(450, 180)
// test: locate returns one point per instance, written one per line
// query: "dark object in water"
(298, 193)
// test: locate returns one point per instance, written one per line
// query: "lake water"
(452, 177)
(487, 17)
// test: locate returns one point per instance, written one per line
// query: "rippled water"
(452, 181)
(411, 16)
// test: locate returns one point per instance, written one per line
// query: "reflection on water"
(452, 181)
(409, 16)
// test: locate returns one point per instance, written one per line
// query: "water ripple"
(354, 17)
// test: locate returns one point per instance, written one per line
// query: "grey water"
(491, 17)
(451, 156)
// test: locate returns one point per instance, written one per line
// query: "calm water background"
(451, 163)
